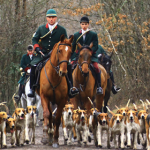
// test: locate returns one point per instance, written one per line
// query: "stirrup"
(115, 90)
(73, 92)
(99, 90)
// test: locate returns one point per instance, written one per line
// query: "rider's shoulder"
(92, 32)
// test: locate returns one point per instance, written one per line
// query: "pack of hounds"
(19, 125)
(130, 126)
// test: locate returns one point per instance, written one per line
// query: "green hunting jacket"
(90, 37)
(25, 64)
(46, 44)
(100, 50)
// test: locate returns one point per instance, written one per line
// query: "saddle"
(39, 67)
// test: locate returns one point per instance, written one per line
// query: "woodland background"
(123, 26)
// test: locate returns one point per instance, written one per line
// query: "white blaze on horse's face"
(66, 48)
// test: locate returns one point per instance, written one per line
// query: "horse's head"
(63, 54)
(84, 58)
(105, 61)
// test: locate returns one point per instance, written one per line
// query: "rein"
(85, 82)
(56, 69)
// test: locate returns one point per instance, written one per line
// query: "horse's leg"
(57, 123)
(46, 114)
(51, 130)
(106, 98)
(38, 100)
(74, 101)
(99, 101)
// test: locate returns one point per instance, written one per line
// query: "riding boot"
(32, 81)
(114, 88)
(72, 91)
(99, 89)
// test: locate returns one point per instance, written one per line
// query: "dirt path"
(39, 145)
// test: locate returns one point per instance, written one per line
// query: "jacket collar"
(48, 27)
(81, 32)
(33, 54)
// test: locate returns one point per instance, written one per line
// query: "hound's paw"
(27, 141)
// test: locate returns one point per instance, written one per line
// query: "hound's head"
(20, 113)
(31, 110)
(11, 124)
(3, 115)
(103, 118)
(82, 114)
(123, 111)
(118, 118)
(93, 111)
(141, 114)
(69, 109)
(131, 115)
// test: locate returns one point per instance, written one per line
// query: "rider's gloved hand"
(38, 50)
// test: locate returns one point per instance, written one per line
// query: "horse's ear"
(79, 45)
(62, 38)
(91, 45)
(71, 38)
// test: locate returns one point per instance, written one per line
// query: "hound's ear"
(138, 116)
(79, 45)
(118, 111)
(62, 38)
(98, 117)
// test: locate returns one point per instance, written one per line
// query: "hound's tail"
(2, 104)
(15, 104)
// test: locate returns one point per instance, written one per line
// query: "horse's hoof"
(27, 141)
(21, 144)
(96, 144)
(108, 146)
(89, 139)
(100, 146)
(128, 146)
(44, 141)
(37, 125)
(55, 145)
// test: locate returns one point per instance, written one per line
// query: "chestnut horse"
(84, 80)
(53, 88)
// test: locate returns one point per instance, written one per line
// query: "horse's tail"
(15, 104)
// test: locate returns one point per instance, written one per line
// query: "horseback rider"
(44, 39)
(115, 89)
(25, 68)
(85, 37)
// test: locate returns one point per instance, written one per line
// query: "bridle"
(80, 67)
(57, 67)
(84, 62)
